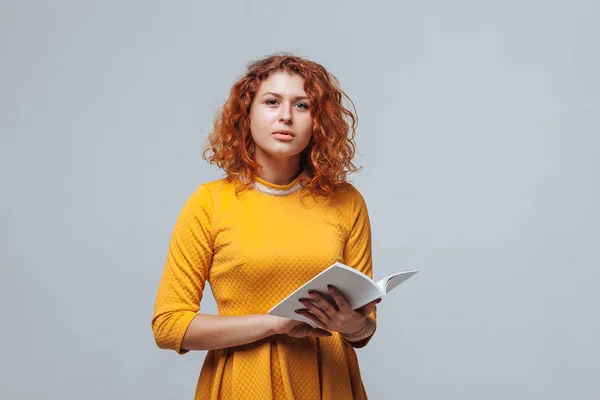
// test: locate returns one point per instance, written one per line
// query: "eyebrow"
(280, 96)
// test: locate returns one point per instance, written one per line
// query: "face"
(280, 119)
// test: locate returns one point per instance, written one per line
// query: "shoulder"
(216, 187)
(348, 200)
(352, 206)
(207, 192)
(348, 193)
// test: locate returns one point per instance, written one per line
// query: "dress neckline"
(277, 190)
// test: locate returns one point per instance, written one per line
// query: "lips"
(284, 132)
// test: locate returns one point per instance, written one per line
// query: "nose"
(286, 115)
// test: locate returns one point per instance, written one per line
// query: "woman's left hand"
(337, 317)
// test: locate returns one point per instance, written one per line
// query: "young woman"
(284, 213)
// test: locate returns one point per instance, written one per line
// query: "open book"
(357, 288)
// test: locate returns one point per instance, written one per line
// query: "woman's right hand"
(293, 328)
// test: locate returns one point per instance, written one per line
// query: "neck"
(279, 171)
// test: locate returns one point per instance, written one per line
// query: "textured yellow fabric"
(254, 250)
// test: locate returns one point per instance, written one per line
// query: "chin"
(283, 153)
(280, 151)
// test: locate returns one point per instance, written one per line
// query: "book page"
(388, 283)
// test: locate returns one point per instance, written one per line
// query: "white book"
(357, 288)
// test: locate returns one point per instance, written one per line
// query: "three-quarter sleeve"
(357, 251)
(185, 272)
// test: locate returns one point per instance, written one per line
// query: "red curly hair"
(326, 160)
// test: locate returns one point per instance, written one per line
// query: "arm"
(186, 269)
(207, 332)
(355, 327)
(357, 254)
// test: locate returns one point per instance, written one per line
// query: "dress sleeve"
(357, 251)
(185, 272)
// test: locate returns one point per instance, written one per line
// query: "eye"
(302, 105)
(271, 102)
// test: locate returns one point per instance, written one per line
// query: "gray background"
(478, 135)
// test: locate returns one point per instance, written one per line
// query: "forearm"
(208, 332)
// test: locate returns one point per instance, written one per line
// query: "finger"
(318, 311)
(312, 317)
(323, 303)
(301, 330)
(320, 332)
(369, 307)
(301, 327)
(340, 301)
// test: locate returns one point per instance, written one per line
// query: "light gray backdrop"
(478, 134)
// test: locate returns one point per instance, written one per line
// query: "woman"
(283, 214)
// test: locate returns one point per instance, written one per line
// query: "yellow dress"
(254, 250)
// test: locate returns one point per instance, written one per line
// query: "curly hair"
(326, 160)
